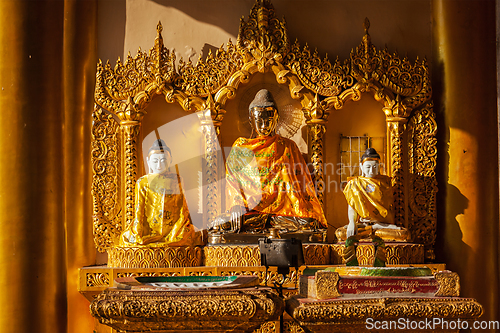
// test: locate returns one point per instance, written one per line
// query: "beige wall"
(333, 27)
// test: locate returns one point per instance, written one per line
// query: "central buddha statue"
(268, 185)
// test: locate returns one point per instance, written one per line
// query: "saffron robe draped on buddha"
(161, 213)
(269, 175)
(371, 198)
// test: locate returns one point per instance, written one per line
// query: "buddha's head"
(263, 114)
(159, 157)
(370, 161)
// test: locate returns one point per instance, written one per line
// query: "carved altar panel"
(320, 85)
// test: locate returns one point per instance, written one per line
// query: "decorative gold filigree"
(449, 284)
(326, 285)
(209, 75)
(319, 75)
(316, 254)
(395, 141)
(106, 179)
(291, 326)
(263, 38)
(183, 311)
(154, 257)
(232, 255)
(130, 134)
(249, 255)
(317, 132)
(97, 279)
(131, 85)
(357, 311)
(396, 254)
(145, 273)
(268, 327)
(422, 160)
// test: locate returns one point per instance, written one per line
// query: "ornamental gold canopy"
(403, 88)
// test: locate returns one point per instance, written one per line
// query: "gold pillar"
(212, 206)
(395, 130)
(317, 131)
(130, 133)
(46, 79)
(465, 93)
(32, 256)
(79, 59)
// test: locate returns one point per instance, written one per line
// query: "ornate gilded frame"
(404, 90)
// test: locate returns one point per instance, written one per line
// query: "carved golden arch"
(320, 85)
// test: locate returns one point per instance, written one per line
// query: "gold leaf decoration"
(422, 163)
(105, 160)
(209, 75)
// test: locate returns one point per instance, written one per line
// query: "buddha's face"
(369, 168)
(158, 162)
(264, 120)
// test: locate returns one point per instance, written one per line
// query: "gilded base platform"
(355, 315)
(249, 255)
(155, 257)
(239, 310)
(94, 280)
(396, 253)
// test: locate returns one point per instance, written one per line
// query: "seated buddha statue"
(370, 204)
(161, 212)
(268, 185)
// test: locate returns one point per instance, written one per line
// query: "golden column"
(44, 140)
(32, 253)
(130, 133)
(466, 104)
(317, 131)
(395, 129)
(212, 198)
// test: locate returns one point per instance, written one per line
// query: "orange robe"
(269, 175)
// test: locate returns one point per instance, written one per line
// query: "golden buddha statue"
(161, 212)
(370, 200)
(268, 185)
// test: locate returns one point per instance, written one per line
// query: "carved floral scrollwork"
(349, 311)
(209, 75)
(422, 161)
(105, 160)
(143, 257)
(133, 83)
(130, 133)
(396, 130)
(318, 75)
(263, 38)
(449, 284)
(176, 311)
(317, 132)
(365, 59)
(97, 279)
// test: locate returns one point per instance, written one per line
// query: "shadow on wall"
(450, 229)
(111, 21)
(203, 11)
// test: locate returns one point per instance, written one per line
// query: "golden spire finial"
(159, 28)
(366, 25)
(366, 38)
